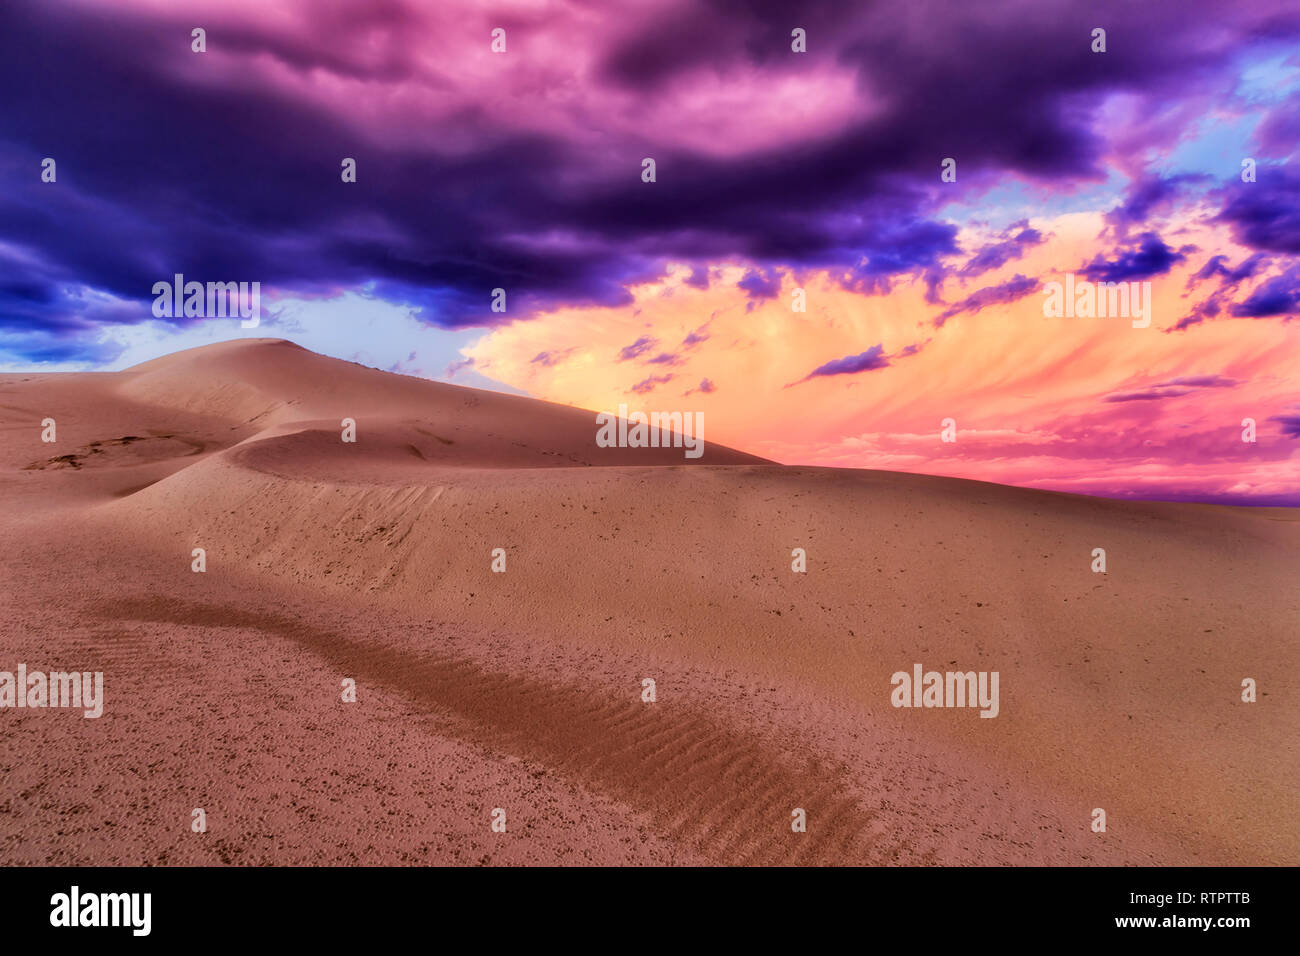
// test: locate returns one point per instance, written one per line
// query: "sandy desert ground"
(523, 690)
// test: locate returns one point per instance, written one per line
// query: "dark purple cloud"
(648, 384)
(699, 278)
(549, 358)
(168, 164)
(1148, 395)
(1279, 295)
(695, 338)
(760, 285)
(1201, 311)
(873, 358)
(1280, 131)
(1265, 214)
(1173, 388)
(995, 254)
(638, 348)
(1214, 266)
(1148, 195)
(1017, 287)
(1231, 276)
(1200, 381)
(1147, 257)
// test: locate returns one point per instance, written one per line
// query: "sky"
(799, 268)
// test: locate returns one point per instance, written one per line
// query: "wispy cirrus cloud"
(1174, 388)
(1017, 287)
(873, 358)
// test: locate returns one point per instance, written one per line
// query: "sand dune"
(522, 690)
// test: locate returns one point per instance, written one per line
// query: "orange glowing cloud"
(1087, 404)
